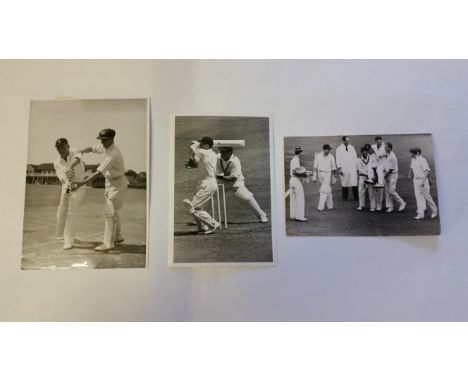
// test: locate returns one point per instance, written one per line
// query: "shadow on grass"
(117, 250)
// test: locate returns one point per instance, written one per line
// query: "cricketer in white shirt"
(229, 169)
(113, 168)
(69, 201)
(324, 168)
(362, 172)
(206, 187)
(391, 179)
(420, 171)
(376, 166)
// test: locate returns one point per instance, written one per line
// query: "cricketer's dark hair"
(378, 138)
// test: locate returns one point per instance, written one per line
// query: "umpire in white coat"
(346, 163)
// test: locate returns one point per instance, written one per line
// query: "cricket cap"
(415, 150)
(207, 141)
(298, 150)
(326, 147)
(60, 142)
(106, 133)
(228, 149)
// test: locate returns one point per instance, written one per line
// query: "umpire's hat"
(106, 133)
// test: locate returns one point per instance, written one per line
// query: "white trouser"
(325, 190)
(362, 188)
(375, 197)
(246, 197)
(390, 190)
(422, 192)
(296, 199)
(380, 173)
(116, 190)
(66, 213)
(205, 190)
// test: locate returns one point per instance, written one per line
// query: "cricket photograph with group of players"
(363, 185)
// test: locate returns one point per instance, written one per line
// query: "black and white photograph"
(361, 185)
(223, 187)
(86, 184)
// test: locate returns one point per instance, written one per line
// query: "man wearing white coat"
(346, 163)
(296, 195)
(420, 172)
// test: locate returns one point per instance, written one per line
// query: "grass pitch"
(41, 249)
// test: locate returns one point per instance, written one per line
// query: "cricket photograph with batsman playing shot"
(223, 187)
(86, 184)
(361, 185)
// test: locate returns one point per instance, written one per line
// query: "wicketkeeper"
(229, 169)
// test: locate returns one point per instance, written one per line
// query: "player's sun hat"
(60, 142)
(207, 141)
(106, 133)
(300, 171)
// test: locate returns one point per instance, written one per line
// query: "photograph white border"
(284, 185)
(273, 217)
(148, 174)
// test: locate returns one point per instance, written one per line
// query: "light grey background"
(317, 278)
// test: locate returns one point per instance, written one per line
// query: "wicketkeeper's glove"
(190, 163)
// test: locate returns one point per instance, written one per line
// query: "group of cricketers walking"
(372, 175)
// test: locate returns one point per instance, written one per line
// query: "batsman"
(229, 169)
(204, 158)
(112, 168)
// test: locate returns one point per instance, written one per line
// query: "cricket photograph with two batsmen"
(86, 184)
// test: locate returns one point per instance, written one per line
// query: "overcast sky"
(80, 122)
